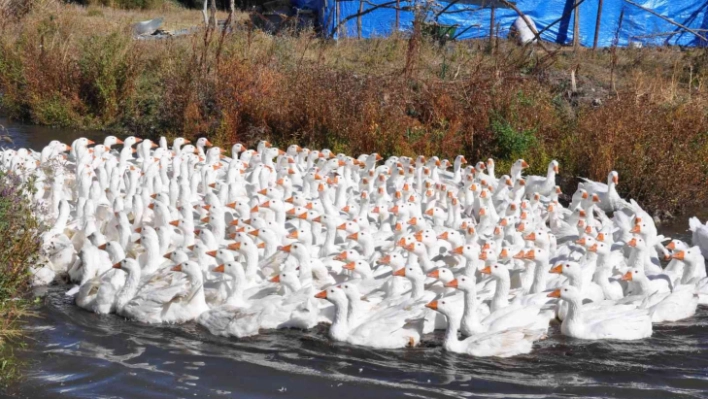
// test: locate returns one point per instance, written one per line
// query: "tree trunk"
(204, 12)
(232, 11)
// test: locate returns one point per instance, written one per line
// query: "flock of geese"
(385, 251)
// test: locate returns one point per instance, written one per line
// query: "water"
(78, 354)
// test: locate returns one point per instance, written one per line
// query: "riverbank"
(19, 246)
(641, 111)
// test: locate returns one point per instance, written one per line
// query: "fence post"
(398, 15)
(597, 24)
(358, 19)
(491, 28)
(576, 26)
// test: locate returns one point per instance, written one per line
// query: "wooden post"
(337, 17)
(491, 28)
(576, 26)
(212, 13)
(597, 24)
(358, 19)
(204, 12)
(398, 15)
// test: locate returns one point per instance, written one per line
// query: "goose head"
(413, 273)
(360, 267)
(571, 270)
(394, 259)
(498, 271)
(463, 283)
(190, 268)
(469, 251)
(568, 293)
(333, 294)
(446, 307)
(233, 269)
(443, 274)
(128, 265)
(289, 279)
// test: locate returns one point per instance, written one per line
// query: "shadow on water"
(82, 355)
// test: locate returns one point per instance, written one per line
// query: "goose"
(504, 343)
(542, 185)
(385, 329)
(664, 306)
(608, 198)
(176, 302)
(616, 323)
(699, 234)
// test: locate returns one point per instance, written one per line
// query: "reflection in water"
(83, 355)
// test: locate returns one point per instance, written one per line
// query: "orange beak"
(443, 236)
(434, 274)
(520, 255)
(400, 272)
(294, 235)
(452, 284)
(349, 266)
(601, 237)
(555, 294)
(102, 247)
(632, 242)
(636, 229)
(211, 253)
(432, 305)
(671, 246)
(593, 248)
(458, 250)
(627, 276)
(287, 248)
(275, 279)
(235, 246)
(177, 268)
(116, 266)
(354, 236)
(558, 269)
(680, 255)
(321, 295)
(219, 269)
(581, 241)
(531, 237)
(486, 270)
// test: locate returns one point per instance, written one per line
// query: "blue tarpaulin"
(621, 21)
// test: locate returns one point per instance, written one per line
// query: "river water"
(77, 354)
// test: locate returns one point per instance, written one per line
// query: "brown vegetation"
(639, 111)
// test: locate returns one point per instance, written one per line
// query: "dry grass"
(640, 111)
(19, 246)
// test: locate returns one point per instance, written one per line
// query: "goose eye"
(496, 267)
(332, 291)
(566, 290)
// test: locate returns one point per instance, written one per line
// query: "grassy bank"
(19, 246)
(639, 111)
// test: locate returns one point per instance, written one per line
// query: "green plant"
(511, 142)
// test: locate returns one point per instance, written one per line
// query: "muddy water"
(76, 354)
